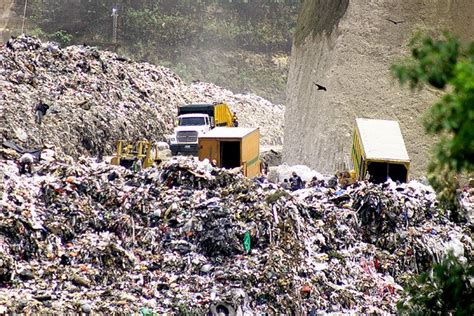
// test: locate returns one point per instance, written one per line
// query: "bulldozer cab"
(140, 154)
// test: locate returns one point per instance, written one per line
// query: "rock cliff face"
(7, 19)
(352, 59)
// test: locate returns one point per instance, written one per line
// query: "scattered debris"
(271, 156)
(96, 97)
(190, 238)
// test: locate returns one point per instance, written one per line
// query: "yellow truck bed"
(379, 149)
(222, 115)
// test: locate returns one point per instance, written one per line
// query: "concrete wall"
(352, 60)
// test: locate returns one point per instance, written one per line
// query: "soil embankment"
(7, 18)
(352, 59)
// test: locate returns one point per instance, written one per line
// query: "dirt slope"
(6, 18)
(352, 60)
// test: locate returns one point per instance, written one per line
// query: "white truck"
(195, 120)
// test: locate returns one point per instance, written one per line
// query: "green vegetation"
(445, 290)
(444, 65)
(61, 36)
(197, 39)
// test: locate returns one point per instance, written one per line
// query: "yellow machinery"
(141, 154)
(346, 177)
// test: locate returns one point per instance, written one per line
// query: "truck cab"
(186, 134)
(194, 120)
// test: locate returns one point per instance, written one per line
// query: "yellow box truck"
(379, 152)
(232, 147)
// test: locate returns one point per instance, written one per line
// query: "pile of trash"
(187, 238)
(466, 201)
(96, 97)
(251, 110)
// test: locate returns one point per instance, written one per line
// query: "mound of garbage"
(187, 238)
(96, 97)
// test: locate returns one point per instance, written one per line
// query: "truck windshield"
(191, 121)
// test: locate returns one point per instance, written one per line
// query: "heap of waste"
(267, 116)
(187, 238)
(97, 97)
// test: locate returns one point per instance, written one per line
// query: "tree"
(441, 64)
(445, 65)
(445, 289)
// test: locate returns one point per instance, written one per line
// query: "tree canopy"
(234, 44)
(445, 65)
(444, 290)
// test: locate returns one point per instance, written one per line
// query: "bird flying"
(320, 87)
(395, 22)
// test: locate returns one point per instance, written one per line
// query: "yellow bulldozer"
(137, 155)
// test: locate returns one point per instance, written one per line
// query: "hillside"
(350, 54)
(79, 235)
(8, 19)
(97, 97)
(239, 45)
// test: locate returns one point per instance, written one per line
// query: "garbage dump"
(251, 110)
(87, 237)
(271, 155)
(466, 202)
(90, 98)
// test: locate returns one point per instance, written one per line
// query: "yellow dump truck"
(379, 152)
(195, 120)
(232, 147)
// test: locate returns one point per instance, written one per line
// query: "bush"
(61, 36)
(444, 64)
(445, 289)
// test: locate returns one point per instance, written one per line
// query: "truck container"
(379, 152)
(219, 113)
(232, 147)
